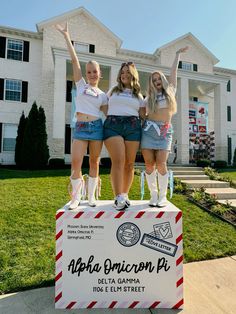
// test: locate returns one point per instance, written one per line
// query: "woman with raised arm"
(122, 131)
(157, 130)
(89, 127)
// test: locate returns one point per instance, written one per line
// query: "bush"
(56, 163)
(203, 163)
(220, 164)
(106, 162)
(234, 159)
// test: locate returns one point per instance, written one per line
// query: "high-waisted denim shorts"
(128, 127)
(90, 131)
(156, 135)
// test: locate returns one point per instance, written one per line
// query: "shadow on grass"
(6, 173)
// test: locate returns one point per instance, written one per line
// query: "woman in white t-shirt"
(157, 130)
(89, 128)
(122, 131)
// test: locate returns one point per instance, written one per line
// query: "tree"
(19, 140)
(34, 147)
(43, 149)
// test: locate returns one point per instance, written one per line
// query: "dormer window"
(83, 47)
(187, 66)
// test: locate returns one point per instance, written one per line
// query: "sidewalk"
(209, 288)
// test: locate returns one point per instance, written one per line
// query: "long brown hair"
(135, 86)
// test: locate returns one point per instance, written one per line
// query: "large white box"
(126, 259)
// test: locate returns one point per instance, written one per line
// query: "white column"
(113, 75)
(59, 98)
(220, 121)
(183, 121)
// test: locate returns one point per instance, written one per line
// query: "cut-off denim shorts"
(156, 135)
(128, 127)
(88, 130)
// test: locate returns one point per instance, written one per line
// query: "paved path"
(209, 288)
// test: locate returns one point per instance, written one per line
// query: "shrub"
(220, 164)
(203, 163)
(234, 159)
(56, 163)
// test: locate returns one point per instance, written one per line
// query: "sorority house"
(36, 66)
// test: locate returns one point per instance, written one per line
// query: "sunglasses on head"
(127, 63)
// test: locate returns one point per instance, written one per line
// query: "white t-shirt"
(161, 98)
(89, 99)
(124, 103)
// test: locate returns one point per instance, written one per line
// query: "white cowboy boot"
(92, 185)
(163, 185)
(152, 185)
(76, 192)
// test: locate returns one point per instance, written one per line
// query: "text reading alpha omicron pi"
(90, 266)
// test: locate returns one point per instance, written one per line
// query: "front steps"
(195, 177)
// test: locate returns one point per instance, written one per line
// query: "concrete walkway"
(209, 288)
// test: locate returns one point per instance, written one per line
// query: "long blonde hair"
(166, 90)
(135, 86)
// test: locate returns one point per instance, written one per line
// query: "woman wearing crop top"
(157, 130)
(89, 129)
(122, 131)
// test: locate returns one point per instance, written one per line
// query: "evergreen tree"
(19, 140)
(34, 152)
(43, 151)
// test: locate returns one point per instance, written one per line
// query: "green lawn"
(29, 201)
(231, 173)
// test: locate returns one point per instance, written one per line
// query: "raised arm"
(77, 74)
(174, 68)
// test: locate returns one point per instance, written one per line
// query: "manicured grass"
(231, 173)
(29, 201)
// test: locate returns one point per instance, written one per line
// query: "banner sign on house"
(198, 117)
(126, 259)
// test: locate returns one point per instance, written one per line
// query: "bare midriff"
(163, 115)
(85, 117)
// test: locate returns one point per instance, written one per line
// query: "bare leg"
(95, 148)
(77, 154)
(149, 159)
(131, 148)
(116, 148)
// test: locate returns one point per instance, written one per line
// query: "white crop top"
(124, 103)
(160, 99)
(89, 99)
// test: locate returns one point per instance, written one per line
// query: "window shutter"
(68, 91)
(67, 139)
(24, 95)
(92, 48)
(1, 89)
(195, 98)
(195, 67)
(228, 86)
(180, 65)
(26, 51)
(72, 41)
(228, 113)
(0, 137)
(2, 46)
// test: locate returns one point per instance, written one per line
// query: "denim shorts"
(128, 127)
(156, 135)
(89, 130)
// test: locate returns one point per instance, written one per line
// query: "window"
(228, 86)
(15, 49)
(9, 137)
(229, 113)
(13, 90)
(83, 47)
(187, 66)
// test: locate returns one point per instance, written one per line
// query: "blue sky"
(142, 25)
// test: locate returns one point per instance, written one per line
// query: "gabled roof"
(194, 39)
(72, 13)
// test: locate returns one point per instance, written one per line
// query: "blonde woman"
(122, 131)
(89, 128)
(157, 130)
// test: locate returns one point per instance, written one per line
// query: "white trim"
(19, 32)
